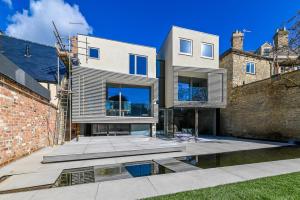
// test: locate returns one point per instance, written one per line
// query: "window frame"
(213, 49)
(184, 53)
(97, 58)
(135, 64)
(254, 68)
(268, 51)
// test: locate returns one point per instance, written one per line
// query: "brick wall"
(27, 121)
(267, 109)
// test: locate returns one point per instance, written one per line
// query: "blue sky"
(147, 22)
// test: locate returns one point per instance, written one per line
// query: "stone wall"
(235, 62)
(27, 121)
(267, 109)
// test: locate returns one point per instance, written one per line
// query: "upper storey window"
(137, 64)
(207, 50)
(267, 52)
(186, 46)
(94, 53)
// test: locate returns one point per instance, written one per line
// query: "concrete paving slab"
(17, 182)
(175, 165)
(279, 167)
(80, 192)
(247, 172)
(110, 154)
(192, 180)
(18, 196)
(135, 188)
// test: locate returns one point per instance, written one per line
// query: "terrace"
(133, 167)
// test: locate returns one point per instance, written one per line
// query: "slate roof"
(42, 62)
(13, 72)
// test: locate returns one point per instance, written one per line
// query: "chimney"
(237, 40)
(281, 38)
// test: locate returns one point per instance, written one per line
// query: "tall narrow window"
(141, 65)
(137, 64)
(207, 50)
(250, 68)
(132, 64)
(185, 46)
(94, 53)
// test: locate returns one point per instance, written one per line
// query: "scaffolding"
(64, 89)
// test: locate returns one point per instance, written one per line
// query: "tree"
(293, 26)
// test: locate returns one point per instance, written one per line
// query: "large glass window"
(128, 100)
(137, 64)
(192, 89)
(185, 46)
(250, 68)
(94, 53)
(207, 50)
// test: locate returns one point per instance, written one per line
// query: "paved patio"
(108, 147)
(30, 172)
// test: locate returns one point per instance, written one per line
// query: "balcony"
(192, 89)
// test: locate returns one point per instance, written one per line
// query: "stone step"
(111, 154)
(176, 165)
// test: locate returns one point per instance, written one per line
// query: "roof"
(13, 72)
(290, 62)
(241, 52)
(40, 65)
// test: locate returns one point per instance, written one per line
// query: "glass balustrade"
(192, 89)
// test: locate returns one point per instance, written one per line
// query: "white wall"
(194, 60)
(52, 88)
(171, 54)
(114, 55)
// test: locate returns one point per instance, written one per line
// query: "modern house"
(195, 87)
(115, 90)
(121, 88)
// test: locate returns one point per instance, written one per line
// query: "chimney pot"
(281, 38)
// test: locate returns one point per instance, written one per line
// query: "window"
(94, 53)
(137, 64)
(128, 100)
(207, 50)
(192, 89)
(186, 46)
(267, 52)
(250, 68)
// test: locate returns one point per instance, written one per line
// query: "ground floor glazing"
(172, 121)
(115, 129)
(194, 121)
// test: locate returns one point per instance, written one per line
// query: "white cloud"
(35, 24)
(8, 2)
